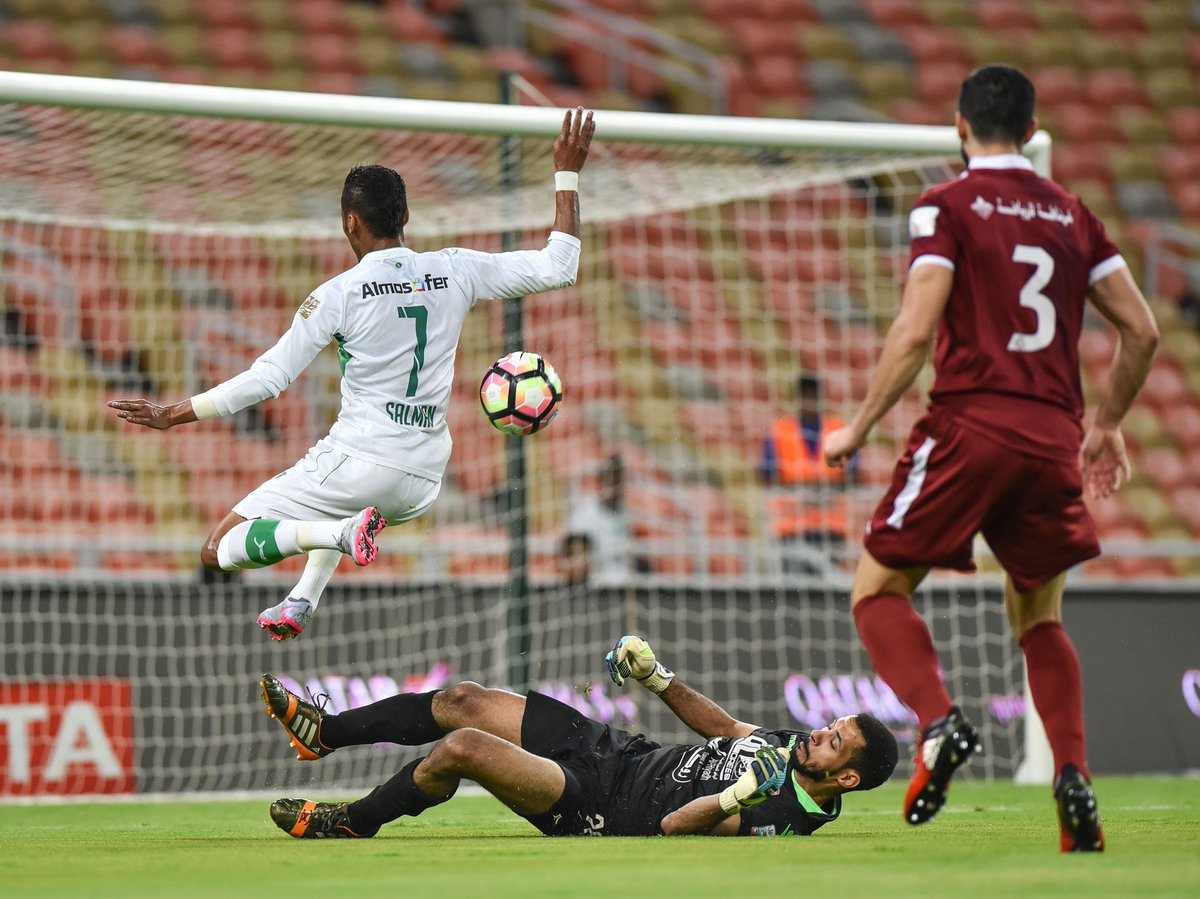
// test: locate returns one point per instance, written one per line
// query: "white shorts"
(328, 484)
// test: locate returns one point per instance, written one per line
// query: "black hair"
(997, 101)
(876, 760)
(377, 195)
(808, 383)
(574, 540)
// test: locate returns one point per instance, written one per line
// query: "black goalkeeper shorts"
(590, 754)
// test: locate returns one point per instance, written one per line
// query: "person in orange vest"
(806, 507)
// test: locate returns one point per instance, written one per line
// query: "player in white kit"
(396, 316)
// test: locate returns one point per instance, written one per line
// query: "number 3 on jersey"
(1033, 298)
(419, 315)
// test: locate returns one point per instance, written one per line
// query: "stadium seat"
(1110, 87)
(1057, 85)
(1082, 123)
(1112, 17)
(37, 40)
(226, 14)
(1169, 468)
(938, 83)
(323, 17)
(1184, 123)
(936, 46)
(897, 14)
(408, 23)
(1006, 16)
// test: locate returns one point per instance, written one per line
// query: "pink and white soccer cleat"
(357, 539)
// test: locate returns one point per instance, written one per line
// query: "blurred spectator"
(806, 506)
(575, 560)
(600, 518)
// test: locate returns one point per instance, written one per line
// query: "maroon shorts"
(952, 483)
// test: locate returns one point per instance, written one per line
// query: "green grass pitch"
(992, 840)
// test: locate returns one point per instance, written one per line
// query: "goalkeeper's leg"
(526, 783)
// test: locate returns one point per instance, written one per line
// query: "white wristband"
(566, 181)
(658, 679)
(204, 407)
(728, 802)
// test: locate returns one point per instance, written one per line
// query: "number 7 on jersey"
(419, 315)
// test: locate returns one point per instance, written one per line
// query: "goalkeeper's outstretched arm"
(633, 657)
(720, 815)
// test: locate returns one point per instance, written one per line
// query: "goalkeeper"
(571, 776)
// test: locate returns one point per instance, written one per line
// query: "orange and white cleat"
(301, 719)
(306, 820)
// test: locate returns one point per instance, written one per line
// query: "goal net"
(155, 239)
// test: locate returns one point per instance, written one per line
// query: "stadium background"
(99, 525)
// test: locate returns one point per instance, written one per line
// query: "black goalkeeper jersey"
(654, 781)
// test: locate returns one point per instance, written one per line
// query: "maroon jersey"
(1024, 253)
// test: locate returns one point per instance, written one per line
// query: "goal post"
(156, 238)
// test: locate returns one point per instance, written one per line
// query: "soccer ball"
(520, 393)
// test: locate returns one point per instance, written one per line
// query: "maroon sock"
(902, 653)
(1057, 687)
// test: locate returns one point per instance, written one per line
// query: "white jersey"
(397, 317)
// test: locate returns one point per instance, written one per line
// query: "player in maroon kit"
(1002, 261)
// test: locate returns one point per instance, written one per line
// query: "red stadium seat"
(918, 112)
(1110, 88)
(1072, 163)
(331, 52)
(935, 45)
(896, 14)
(37, 39)
(1086, 124)
(940, 82)
(1165, 388)
(761, 38)
(1184, 423)
(1006, 15)
(1169, 468)
(1057, 85)
(409, 23)
(1184, 123)
(1112, 17)
(321, 17)
(227, 14)
(137, 47)
(1187, 200)
(236, 48)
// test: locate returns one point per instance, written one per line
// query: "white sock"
(312, 535)
(317, 572)
(258, 542)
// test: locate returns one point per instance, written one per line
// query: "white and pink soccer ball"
(520, 393)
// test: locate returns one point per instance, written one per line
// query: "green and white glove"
(763, 777)
(633, 657)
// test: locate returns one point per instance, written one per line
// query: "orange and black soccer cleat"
(302, 720)
(1078, 816)
(945, 746)
(307, 820)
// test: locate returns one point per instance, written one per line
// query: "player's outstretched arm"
(904, 351)
(1105, 463)
(152, 415)
(633, 657)
(720, 815)
(570, 153)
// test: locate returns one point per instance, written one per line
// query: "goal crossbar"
(481, 118)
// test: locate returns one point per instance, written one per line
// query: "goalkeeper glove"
(633, 657)
(763, 777)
